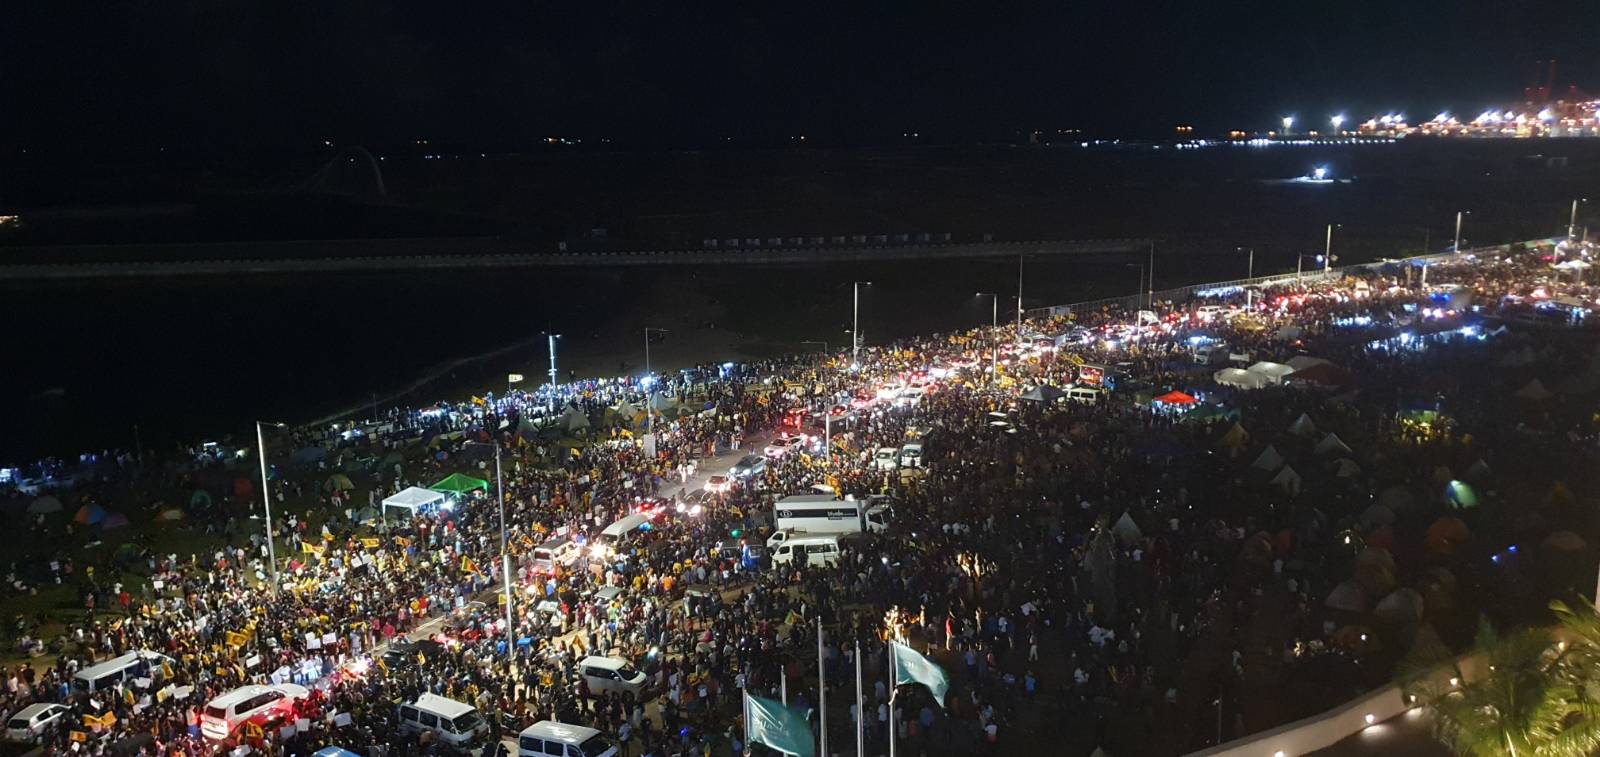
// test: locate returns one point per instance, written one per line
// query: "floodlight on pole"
(266, 502)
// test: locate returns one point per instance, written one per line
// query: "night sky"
(229, 74)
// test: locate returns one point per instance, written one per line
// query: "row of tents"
(1303, 370)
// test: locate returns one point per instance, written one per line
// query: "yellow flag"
(369, 543)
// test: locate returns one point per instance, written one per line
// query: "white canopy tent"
(1268, 460)
(1303, 426)
(1240, 378)
(414, 499)
(1332, 444)
(1273, 371)
(1302, 362)
(574, 419)
(1126, 530)
(1288, 479)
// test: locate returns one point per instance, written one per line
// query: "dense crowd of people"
(1055, 557)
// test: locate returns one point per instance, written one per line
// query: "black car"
(405, 654)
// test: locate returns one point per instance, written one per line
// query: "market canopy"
(1288, 479)
(1268, 460)
(1323, 375)
(459, 483)
(1302, 362)
(1126, 530)
(1044, 393)
(1176, 398)
(1273, 371)
(416, 499)
(1235, 438)
(1240, 378)
(574, 419)
(1534, 391)
(1331, 444)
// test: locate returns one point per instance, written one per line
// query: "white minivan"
(454, 723)
(1085, 394)
(115, 671)
(911, 455)
(558, 552)
(36, 721)
(611, 674)
(549, 738)
(815, 551)
(262, 705)
(887, 458)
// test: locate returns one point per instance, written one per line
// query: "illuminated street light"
(266, 502)
(1337, 121)
(994, 326)
(1319, 173)
(855, 325)
(1288, 121)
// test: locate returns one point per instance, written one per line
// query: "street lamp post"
(994, 337)
(1457, 248)
(1299, 263)
(649, 412)
(1572, 222)
(1150, 278)
(1019, 298)
(266, 502)
(1250, 273)
(855, 324)
(1327, 248)
(505, 553)
(553, 382)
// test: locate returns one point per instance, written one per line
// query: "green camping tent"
(460, 483)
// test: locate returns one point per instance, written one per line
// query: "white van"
(262, 705)
(548, 738)
(911, 455)
(36, 721)
(113, 672)
(887, 458)
(816, 551)
(611, 674)
(1084, 394)
(559, 551)
(454, 723)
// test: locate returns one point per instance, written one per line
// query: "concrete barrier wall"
(317, 257)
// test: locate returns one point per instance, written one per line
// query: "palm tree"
(1532, 698)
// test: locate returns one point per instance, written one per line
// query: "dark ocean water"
(82, 363)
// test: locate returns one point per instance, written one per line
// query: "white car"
(611, 674)
(911, 455)
(262, 705)
(36, 722)
(887, 458)
(780, 447)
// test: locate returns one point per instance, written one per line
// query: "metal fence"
(1180, 294)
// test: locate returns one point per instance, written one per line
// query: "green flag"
(911, 667)
(767, 721)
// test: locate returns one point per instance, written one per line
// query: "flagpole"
(783, 683)
(822, 691)
(861, 710)
(746, 701)
(892, 691)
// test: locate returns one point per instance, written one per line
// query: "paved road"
(1409, 734)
